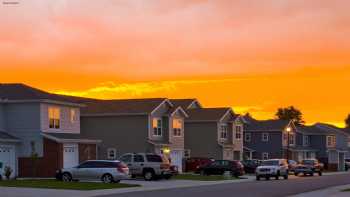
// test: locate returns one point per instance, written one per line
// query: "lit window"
(177, 127)
(331, 141)
(223, 132)
(73, 116)
(238, 132)
(265, 137)
(247, 137)
(54, 117)
(157, 127)
(112, 153)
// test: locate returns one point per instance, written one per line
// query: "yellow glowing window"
(54, 117)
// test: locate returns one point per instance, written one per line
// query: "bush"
(7, 172)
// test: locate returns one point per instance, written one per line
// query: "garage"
(70, 155)
(8, 158)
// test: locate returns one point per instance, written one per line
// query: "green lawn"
(53, 184)
(196, 177)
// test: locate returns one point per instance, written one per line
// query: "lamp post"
(288, 131)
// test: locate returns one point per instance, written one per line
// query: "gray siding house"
(135, 125)
(213, 133)
(34, 122)
(268, 139)
(330, 144)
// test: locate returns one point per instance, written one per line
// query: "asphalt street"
(273, 188)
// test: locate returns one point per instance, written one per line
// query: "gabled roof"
(207, 114)
(16, 92)
(321, 129)
(252, 124)
(6, 137)
(184, 103)
(122, 106)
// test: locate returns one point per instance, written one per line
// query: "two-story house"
(40, 132)
(329, 142)
(135, 125)
(268, 139)
(213, 133)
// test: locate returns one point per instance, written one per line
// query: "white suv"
(272, 168)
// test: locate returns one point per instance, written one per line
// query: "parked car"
(347, 164)
(292, 165)
(272, 168)
(250, 165)
(309, 166)
(219, 167)
(106, 171)
(193, 164)
(150, 166)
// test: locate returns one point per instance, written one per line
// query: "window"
(247, 137)
(88, 164)
(223, 131)
(331, 141)
(187, 153)
(112, 153)
(126, 158)
(139, 158)
(265, 137)
(177, 127)
(154, 158)
(238, 132)
(265, 156)
(306, 140)
(54, 117)
(292, 139)
(157, 127)
(73, 116)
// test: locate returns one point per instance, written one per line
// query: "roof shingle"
(206, 114)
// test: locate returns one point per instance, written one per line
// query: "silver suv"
(148, 165)
(104, 170)
(272, 168)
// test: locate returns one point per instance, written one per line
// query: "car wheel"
(285, 176)
(107, 178)
(258, 178)
(267, 178)
(167, 177)
(311, 174)
(66, 177)
(148, 175)
(278, 175)
(296, 174)
(320, 173)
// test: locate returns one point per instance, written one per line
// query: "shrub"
(7, 172)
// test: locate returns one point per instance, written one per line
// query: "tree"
(290, 113)
(347, 121)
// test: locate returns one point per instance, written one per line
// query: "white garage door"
(8, 158)
(70, 155)
(176, 158)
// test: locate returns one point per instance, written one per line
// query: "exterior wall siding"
(2, 118)
(87, 152)
(178, 142)
(201, 140)
(124, 133)
(66, 126)
(273, 146)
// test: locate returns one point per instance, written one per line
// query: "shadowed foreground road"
(252, 189)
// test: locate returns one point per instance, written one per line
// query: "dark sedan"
(250, 165)
(220, 167)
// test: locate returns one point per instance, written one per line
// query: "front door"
(70, 155)
(7, 159)
(176, 158)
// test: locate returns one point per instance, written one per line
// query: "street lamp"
(288, 129)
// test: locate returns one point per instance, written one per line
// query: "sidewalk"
(329, 192)
(146, 186)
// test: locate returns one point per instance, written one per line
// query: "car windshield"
(308, 162)
(270, 163)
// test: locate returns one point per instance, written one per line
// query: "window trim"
(73, 115)
(263, 155)
(115, 153)
(51, 111)
(308, 140)
(267, 137)
(333, 141)
(245, 137)
(178, 129)
(158, 128)
(238, 133)
(223, 132)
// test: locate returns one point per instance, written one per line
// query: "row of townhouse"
(41, 132)
(283, 139)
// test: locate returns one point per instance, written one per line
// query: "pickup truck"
(309, 167)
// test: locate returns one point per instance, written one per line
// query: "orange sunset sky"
(252, 55)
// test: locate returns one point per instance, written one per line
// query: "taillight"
(122, 168)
